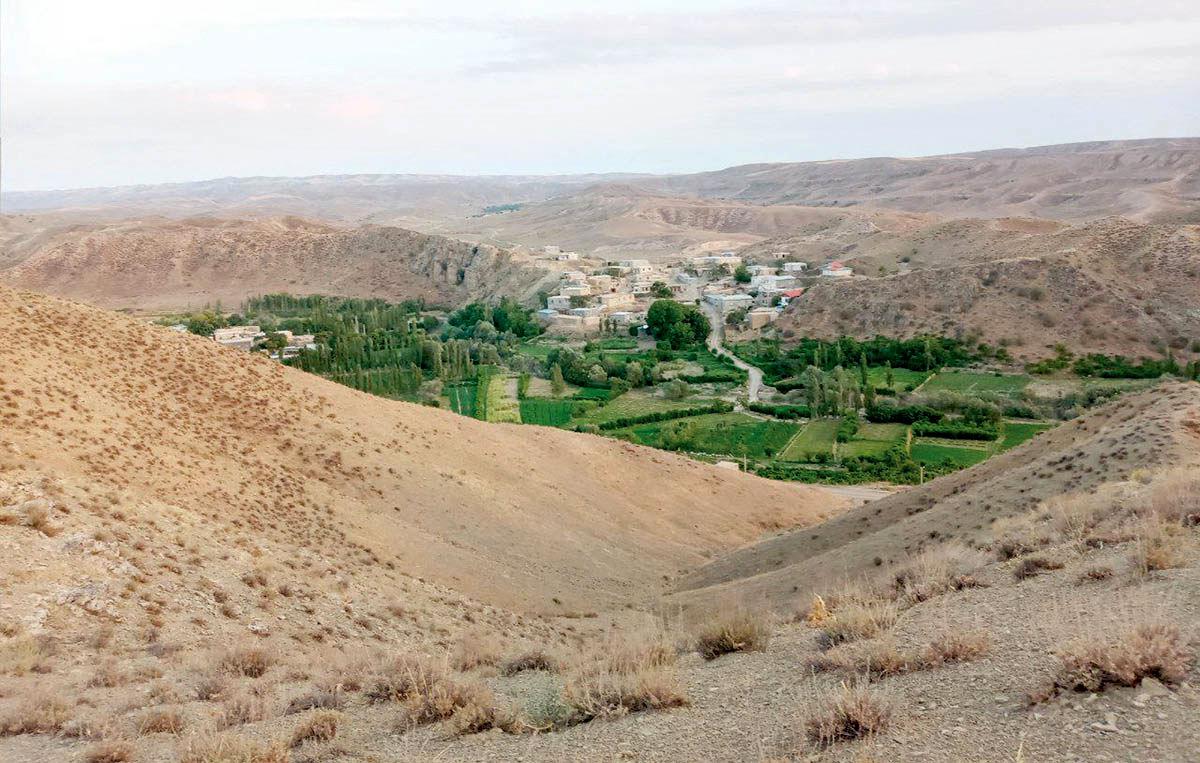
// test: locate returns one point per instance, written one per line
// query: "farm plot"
(969, 382)
(902, 378)
(1017, 432)
(547, 412)
(637, 403)
(874, 439)
(734, 434)
(935, 453)
(817, 437)
(462, 399)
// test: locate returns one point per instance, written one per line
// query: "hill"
(1111, 286)
(173, 264)
(1150, 180)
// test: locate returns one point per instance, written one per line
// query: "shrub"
(161, 721)
(534, 659)
(1032, 566)
(42, 713)
(854, 711)
(1157, 546)
(321, 726)
(736, 630)
(240, 709)
(1153, 650)
(858, 620)
(950, 567)
(248, 661)
(1094, 574)
(227, 748)
(109, 751)
(317, 700)
(955, 646)
(403, 677)
(873, 659)
(474, 650)
(623, 675)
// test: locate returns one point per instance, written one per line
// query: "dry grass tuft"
(621, 676)
(1035, 565)
(1175, 498)
(474, 650)
(534, 659)
(1158, 545)
(1089, 664)
(854, 711)
(733, 630)
(873, 659)
(955, 646)
(164, 720)
(430, 694)
(1096, 574)
(321, 726)
(227, 748)
(251, 661)
(317, 700)
(21, 655)
(950, 567)
(242, 708)
(855, 621)
(38, 714)
(109, 751)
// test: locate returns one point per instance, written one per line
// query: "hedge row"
(902, 414)
(954, 430)
(782, 411)
(719, 406)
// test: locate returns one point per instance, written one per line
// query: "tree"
(676, 389)
(677, 325)
(862, 371)
(741, 274)
(273, 342)
(597, 375)
(660, 290)
(578, 301)
(888, 375)
(557, 385)
(633, 374)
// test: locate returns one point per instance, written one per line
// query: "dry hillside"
(1110, 286)
(173, 264)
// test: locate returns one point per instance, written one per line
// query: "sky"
(125, 92)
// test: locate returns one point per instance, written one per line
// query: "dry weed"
(321, 726)
(1091, 664)
(733, 630)
(228, 748)
(856, 621)
(854, 711)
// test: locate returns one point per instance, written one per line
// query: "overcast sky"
(123, 91)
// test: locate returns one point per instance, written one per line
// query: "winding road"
(716, 342)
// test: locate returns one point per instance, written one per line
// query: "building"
(551, 250)
(836, 269)
(627, 317)
(566, 256)
(716, 260)
(238, 337)
(770, 284)
(635, 266)
(576, 290)
(587, 312)
(602, 283)
(788, 296)
(558, 303)
(573, 276)
(179, 327)
(614, 300)
(795, 267)
(547, 315)
(761, 270)
(639, 288)
(760, 316)
(727, 303)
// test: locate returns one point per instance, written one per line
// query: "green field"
(874, 439)
(638, 403)
(968, 382)
(546, 411)
(592, 393)
(733, 434)
(538, 350)
(1017, 432)
(902, 378)
(816, 437)
(936, 453)
(462, 399)
(492, 402)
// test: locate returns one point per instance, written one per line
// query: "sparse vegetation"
(1092, 663)
(853, 711)
(733, 630)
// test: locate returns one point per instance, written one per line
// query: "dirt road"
(716, 341)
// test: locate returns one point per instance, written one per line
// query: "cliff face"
(176, 264)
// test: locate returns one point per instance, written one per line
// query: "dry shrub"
(107, 676)
(242, 708)
(211, 687)
(430, 694)
(42, 713)
(1175, 498)
(403, 677)
(317, 700)
(873, 659)
(34, 514)
(1090, 664)
(852, 712)
(955, 646)
(21, 655)
(1158, 545)
(1095, 574)
(733, 630)
(473, 650)
(949, 567)
(856, 621)
(623, 675)
(109, 751)
(534, 659)
(227, 748)
(1034, 565)
(163, 720)
(251, 661)
(321, 726)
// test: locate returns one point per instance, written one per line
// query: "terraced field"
(547, 412)
(734, 434)
(929, 453)
(1017, 432)
(817, 437)
(969, 383)
(902, 378)
(638, 403)
(874, 439)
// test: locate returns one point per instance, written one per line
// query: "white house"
(615, 300)
(575, 290)
(558, 302)
(547, 315)
(716, 260)
(727, 303)
(587, 312)
(761, 270)
(635, 266)
(772, 283)
(566, 256)
(836, 269)
(795, 267)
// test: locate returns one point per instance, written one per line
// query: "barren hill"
(173, 264)
(1110, 286)
(1144, 179)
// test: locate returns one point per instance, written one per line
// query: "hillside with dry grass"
(174, 264)
(1112, 286)
(211, 558)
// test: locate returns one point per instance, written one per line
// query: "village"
(611, 296)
